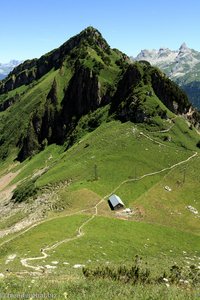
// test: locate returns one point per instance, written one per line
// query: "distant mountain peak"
(6, 68)
(183, 47)
(184, 50)
(175, 63)
(182, 66)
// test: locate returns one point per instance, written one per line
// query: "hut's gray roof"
(115, 200)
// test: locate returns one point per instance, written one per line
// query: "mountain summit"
(34, 69)
(183, 48)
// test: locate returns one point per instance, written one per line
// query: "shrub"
(98, 66)
(138, 273)
(134, 274)
(198, 144)
(24, 191)
(106, 60)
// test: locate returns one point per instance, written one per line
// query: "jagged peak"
(91, 35)
(183, 46)
(164, 49)
(90, 30)
(184, 52)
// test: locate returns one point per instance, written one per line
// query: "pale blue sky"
(31, 28)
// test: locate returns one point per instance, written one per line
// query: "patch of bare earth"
(6, 191)
(7, 207)
(35, 210)
(5, 180)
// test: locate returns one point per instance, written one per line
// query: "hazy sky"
(32, 28)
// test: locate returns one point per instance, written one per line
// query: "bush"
(24, 191)
(106, 60)
(198, 144)
(138, 273)
(98, 66)
(134, 274)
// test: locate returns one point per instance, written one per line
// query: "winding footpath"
(80, 233)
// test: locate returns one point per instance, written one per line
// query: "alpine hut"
(115, 202)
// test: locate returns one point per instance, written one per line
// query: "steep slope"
(41, 99)
(182, 66)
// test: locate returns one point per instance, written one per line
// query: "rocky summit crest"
(34, 69)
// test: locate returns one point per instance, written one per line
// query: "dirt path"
(168, 129)
(80, 233)
(159, 131)
(152, 140)
(156, 172)
(41, 222)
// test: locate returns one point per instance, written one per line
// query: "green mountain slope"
(115, 153)
(76, 126)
